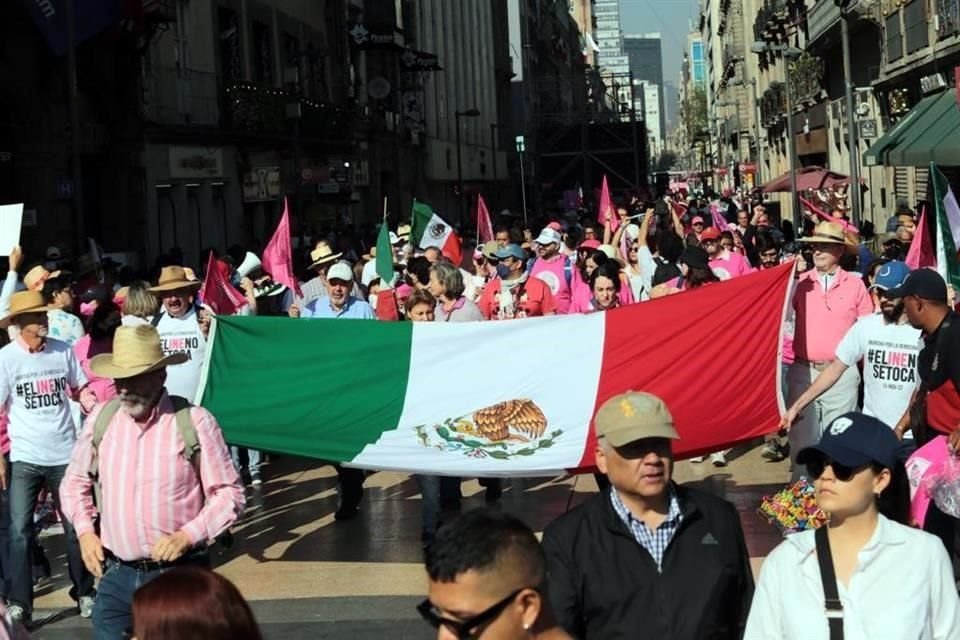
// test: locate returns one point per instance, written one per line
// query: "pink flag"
(717, 218)
(278, 256)
(484, 226)
(921, 252)
(217, 292)
(606, 206)
(826, 216)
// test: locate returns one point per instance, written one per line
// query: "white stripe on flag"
(533, 359)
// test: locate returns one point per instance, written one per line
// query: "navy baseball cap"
(922, 283)
(891, 275)
(511, 251)
(854, 440)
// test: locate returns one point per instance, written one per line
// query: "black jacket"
(604, 585)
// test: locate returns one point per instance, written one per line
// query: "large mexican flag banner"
(504, 398)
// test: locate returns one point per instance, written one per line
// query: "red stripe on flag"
(712, 355)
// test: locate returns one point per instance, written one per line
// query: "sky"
(671, 18)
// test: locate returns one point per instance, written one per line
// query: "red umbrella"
(808, 178)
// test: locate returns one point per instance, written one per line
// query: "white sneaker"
(697, 460)
(86, 606)
(17, 614)
(718, 459)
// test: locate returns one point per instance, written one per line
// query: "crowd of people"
(102, 366)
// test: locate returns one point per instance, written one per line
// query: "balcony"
(773, 105)
(775, 18)
(824, 15)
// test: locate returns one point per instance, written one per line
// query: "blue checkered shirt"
(655, 542)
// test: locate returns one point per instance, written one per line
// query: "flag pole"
(478, 218)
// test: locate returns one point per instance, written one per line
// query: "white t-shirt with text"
(889, 353)
(183, 335)
(35, 390)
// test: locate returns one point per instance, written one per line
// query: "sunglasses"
(842, 472)
(464, 629)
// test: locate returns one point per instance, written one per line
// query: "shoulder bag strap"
(832, 605)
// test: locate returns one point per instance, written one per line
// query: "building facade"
(645, 53)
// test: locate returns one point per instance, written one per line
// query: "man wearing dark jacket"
(647, 558)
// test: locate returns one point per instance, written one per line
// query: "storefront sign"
(193, 163)
(261, 184)
(748, 168)
(933, 82)
(720, 171)
(868, 129)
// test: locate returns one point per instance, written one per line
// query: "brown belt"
(819, 365)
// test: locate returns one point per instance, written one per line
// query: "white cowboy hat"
(174, 279)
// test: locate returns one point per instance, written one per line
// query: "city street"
(309, 577)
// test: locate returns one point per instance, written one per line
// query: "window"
(894, 41)
(915, 23)
(262, 54)
(231, 65)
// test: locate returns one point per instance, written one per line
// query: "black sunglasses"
(841, 471)
(464, 629)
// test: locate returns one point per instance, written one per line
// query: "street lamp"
(521, 147)
(789, 53)
(756, 105)
(854, 190)
(469, 113)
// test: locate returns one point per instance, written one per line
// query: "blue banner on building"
(92, 17)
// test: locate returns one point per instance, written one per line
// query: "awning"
(930, 132)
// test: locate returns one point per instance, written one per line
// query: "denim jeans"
(5, 536)
(26, 481)
(253, 460)
(430, 510)
(113, 611)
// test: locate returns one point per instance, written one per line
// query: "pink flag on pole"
(217, 292)
(921, 252)
(484, 225)
(717, 218)
(278, 256)
(606, 205)
(826, 216)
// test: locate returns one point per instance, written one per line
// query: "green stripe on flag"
(419, 219)
(948, 227)
(343, 378)
(384, 262)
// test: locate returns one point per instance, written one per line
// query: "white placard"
(11, 217)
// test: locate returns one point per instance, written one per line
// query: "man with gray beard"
(889, 348)
(164, 481)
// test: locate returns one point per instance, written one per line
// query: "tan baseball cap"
(633, 416)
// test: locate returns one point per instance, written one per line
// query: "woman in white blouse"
(894, 582)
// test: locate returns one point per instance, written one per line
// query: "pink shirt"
(730, 265)
(823, 317)
(148, 487)
(85, 349)
(554, 273)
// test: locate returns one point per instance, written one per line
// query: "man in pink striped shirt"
(158, 508)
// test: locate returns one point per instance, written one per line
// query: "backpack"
(185, 427)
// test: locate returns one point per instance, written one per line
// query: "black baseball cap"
(922, 283)
(854, 440)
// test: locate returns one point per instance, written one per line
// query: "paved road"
(309, 577)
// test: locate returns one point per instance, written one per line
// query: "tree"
(666, 161)
(695, 112)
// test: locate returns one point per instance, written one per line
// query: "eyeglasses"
(464, 629)
(634, 248)
(842, 472)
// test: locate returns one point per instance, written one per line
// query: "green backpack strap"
(187, 431)
(104, 418)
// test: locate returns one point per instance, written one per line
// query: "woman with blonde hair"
(140, 305)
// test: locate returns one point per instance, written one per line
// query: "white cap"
(340, 271)
(394, 238)
(632, 231)
(608, 250)
(549, 236)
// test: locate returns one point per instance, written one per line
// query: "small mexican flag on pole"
(947, 224)
(430, 230)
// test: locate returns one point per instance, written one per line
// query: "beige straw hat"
(174, 279)
(136, 350)
(25, 302)
(322, 255)
(37, 276)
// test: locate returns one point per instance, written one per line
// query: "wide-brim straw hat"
(38, 276)
(174, 279)
(322, 255)
(25, 302)
(136, 350)
(827, 232)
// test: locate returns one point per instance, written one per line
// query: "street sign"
(64, 188)
(868, 129)
(521, 146)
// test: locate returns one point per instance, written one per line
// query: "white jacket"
(902, 589)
